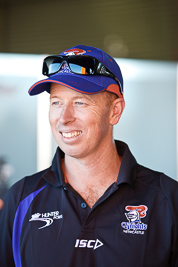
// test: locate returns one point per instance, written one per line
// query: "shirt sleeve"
(170, 190)
(7, 214)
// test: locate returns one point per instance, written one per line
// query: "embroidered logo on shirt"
(47, 218)
(134, 225)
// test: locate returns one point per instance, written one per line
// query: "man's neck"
(91, 177)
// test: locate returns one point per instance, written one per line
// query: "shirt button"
(83, 205)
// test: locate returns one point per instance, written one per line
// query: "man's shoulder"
(150, 175)
(33, 178)
(26, 186)
(34, 181)
(158, 181)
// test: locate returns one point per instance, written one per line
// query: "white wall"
(18, 120)
(149, 121)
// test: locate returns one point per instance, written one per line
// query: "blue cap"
(87, 84)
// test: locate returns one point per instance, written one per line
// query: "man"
(95, 206)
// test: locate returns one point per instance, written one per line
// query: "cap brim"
(81, 83)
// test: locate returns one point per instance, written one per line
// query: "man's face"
(80, 123)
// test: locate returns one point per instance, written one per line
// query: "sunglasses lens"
(54, 67)
(51, 65)
(81, 65)
(77, 69)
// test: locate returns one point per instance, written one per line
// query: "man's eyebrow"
(54, 96)
(84, 97)
(75, 97)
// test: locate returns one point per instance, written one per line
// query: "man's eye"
(55, 103)
(80, 103)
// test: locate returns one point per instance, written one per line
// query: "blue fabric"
(18, 222)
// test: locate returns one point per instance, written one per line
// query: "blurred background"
(141, 35)
(142, 29)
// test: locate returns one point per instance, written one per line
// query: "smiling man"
(82, 126)
(95, 206)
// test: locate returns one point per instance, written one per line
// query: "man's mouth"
(71, 134)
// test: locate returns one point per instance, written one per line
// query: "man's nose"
(67, 114)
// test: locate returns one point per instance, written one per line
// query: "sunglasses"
(84, 65)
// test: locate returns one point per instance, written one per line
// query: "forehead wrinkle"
(74, 97)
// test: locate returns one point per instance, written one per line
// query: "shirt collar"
(54, 175)
(128, 164)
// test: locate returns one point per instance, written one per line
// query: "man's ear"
(117, 108)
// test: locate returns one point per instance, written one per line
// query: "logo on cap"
(74, 51)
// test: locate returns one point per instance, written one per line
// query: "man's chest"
(120, 227)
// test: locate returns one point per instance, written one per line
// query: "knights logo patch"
(134, 215)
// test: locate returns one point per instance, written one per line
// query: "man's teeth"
(69, 135)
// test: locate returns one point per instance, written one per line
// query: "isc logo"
(83, 243)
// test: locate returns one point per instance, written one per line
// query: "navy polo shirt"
(45, 222)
